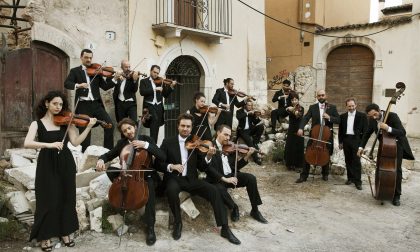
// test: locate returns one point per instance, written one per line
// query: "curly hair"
(41, 109)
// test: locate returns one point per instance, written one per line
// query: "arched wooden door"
(350, 74)
(186, 70)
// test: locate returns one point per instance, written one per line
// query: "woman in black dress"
(55, 181)
(206, 120)
(293, 151)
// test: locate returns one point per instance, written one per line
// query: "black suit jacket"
(283, 102)
(241, 116)
(398, 131)
(359, 125)
(313, 113)
(215, 169)
(170, 146)
(129, 91)
(77, 76)
(220, 97)
(146, 90)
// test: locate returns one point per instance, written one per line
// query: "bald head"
(321, 95)
(125, 65)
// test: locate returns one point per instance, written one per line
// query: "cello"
(386, 159)
(130, 191)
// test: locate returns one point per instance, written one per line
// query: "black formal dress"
(215, 172)
(200, 123)
(155, 106)
(403, 147)
(250, 128)
(351, 140)
(226, 117)
(152, 178)
(91, 106)
(294, 149)
(55, 188)
(125, 102)
(314, 115)
(280, 112)
(175, 182)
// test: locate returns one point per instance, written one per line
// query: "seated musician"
(320, 112)
(394, 127)
(221, 172)
(181, 174)
(128, 128)
(250, 127)
(282, 97)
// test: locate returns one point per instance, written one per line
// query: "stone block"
(3, 220)
(81, 215)
(82, 193)
(17, 203)
(189, 208)
(285, 126)
(19, 161)
(116, 221)
(19, 151)
(162, 218)
(90, 157)
(183, 195)
(405, 173)
(99, 187)
(95, 217)
(83, 178)
(267, 146)
(338, 169)
(94, 203)
(4, 164)
(30, 195)
(22, 177)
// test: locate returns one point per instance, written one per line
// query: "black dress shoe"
(359, 186)
(258, 216)
(226, 233)
(176, 234)
(151, 236)
(325, 177)
(234, 216)
(396, 202)
(300, 180)
(349, 182)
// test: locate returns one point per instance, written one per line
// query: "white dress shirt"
(226, 167)
(184, 154)
(154, 92)
(321, 111)
(122, 87)
(90, 95)
(350, 123)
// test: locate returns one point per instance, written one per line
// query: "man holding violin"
(89, 97)
(180, 174)
(224, 173)
(125, 88)
(153, 90)
(250, 127)
(321, 113)
(280, 96)
(226, 98)
(128, 128)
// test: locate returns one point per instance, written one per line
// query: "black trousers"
(276, 115)
(353, 165)
(125, 109)
(226, 117)
(150, 211)
(96, 109)
(252, 136)
(156, 119)
(244, 180)
(174, 185)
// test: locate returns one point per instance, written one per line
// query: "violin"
(129, 74)
(207, 108)
(240, 94)
(159, 81)
(231, 147)
(255, 112)
(297, 108)
(79, 120)
(98, 69)
(196, 143)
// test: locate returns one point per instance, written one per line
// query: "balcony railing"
(206, 16)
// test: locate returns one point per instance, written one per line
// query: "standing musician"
(280, 96)
(125, 88)
(250, 127)
(203, 121)
(153, 94)
(128, 128)
(329, 115)
(221, 172)
(225, 98)
(394, 127)
(353, 125)
(87, 90)
(181, 174)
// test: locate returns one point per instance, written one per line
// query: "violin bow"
(186, 161)
(236, 159)
(368, 174)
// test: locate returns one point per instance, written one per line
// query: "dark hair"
(293, 95)
(154, 66)
(222, 126)
(226, 81)
(184, 116)
(198, 95)
(372, 106)
(85, 51)
(126, 120)
(286, 82)
(41, 109)
(350, 99)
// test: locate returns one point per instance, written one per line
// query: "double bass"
(386, 160)
(130, 191)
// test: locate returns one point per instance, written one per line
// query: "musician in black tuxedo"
(153, 99)
(227, 101)
(250, 128)
(330, 117)
(125, 88)
(128, 128)
(180, 174)
(282, 97)
(353, 125)
(394, 127)
(90, 103)
(221, 172)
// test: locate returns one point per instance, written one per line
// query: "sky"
(374, 8)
